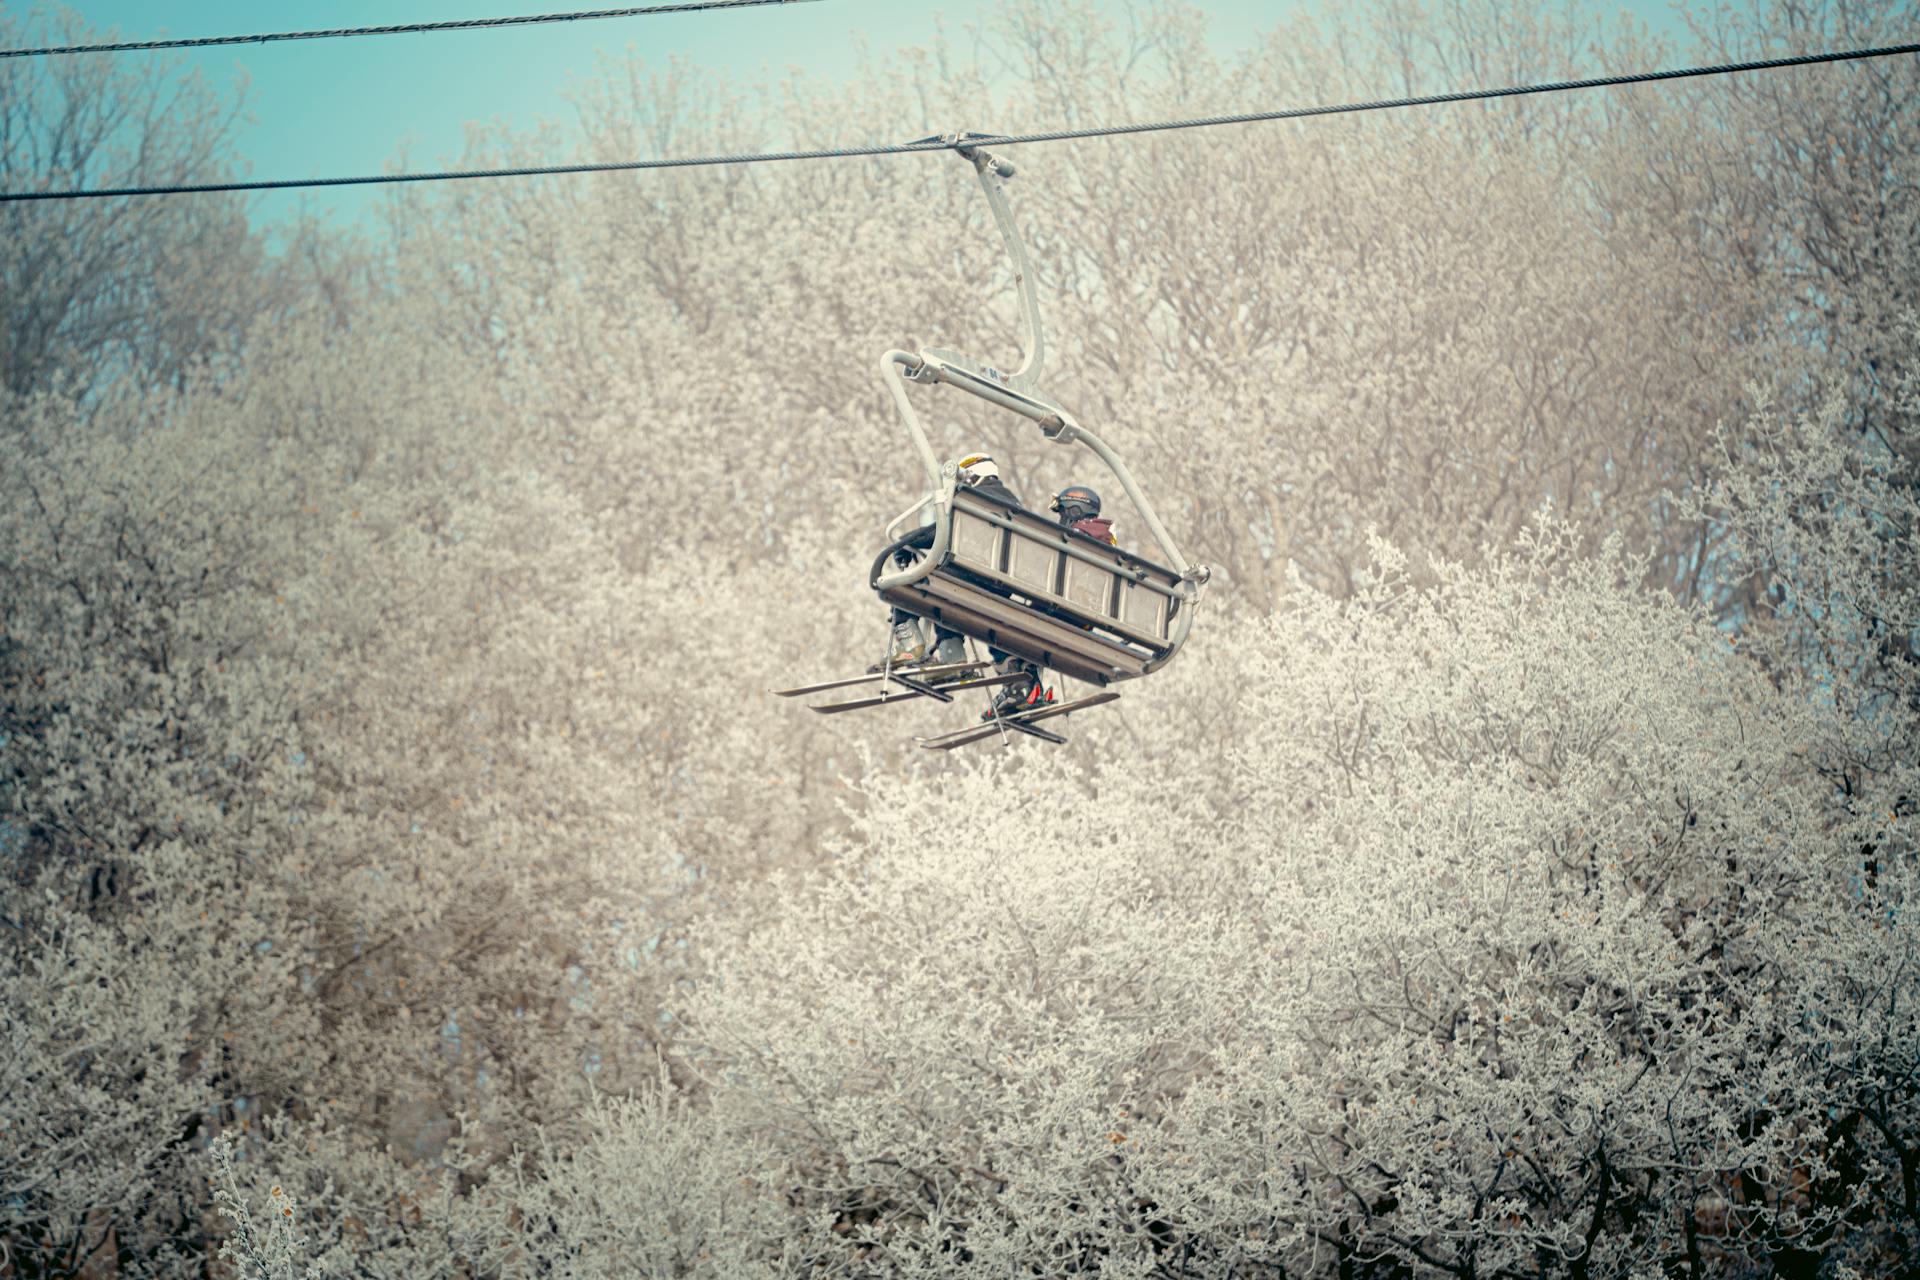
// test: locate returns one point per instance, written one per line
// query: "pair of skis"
(941, 682)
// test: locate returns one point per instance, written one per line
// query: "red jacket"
(1099, 528)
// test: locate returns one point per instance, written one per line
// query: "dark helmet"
(1075, 502)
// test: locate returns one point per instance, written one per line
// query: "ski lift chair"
(1010, 577)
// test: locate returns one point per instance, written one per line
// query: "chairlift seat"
(1025, 584)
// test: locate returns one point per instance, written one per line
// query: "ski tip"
(860, 704)
(934, 744)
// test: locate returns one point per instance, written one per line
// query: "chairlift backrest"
(1066, 572)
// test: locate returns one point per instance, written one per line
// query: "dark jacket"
(993, 491)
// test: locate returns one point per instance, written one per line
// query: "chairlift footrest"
(920, 687)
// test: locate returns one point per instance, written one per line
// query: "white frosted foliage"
(405, 872)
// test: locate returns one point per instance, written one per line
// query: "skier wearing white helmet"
(978, 472)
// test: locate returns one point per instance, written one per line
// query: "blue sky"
(337, 107)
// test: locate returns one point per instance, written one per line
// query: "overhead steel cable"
(397, 29)
(945, 144)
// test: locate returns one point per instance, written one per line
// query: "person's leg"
(1018, 693)
(908, 638)
(910, 646)
(1006, 664)
(906, 644)
(948, 645)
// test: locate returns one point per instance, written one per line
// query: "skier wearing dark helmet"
(1078, 507)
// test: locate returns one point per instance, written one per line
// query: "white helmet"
(976, 467)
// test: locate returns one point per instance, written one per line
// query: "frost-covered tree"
(351, 782)
(385, 785)
(96, 289)
(1530, 944)
(1426, 321)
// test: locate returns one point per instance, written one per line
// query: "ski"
(1045, 735)
(941, 669)
(881, 699)
(1022, 722)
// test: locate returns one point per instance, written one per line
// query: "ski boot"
(1018, 697)
(907, 648)
(950, 651)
